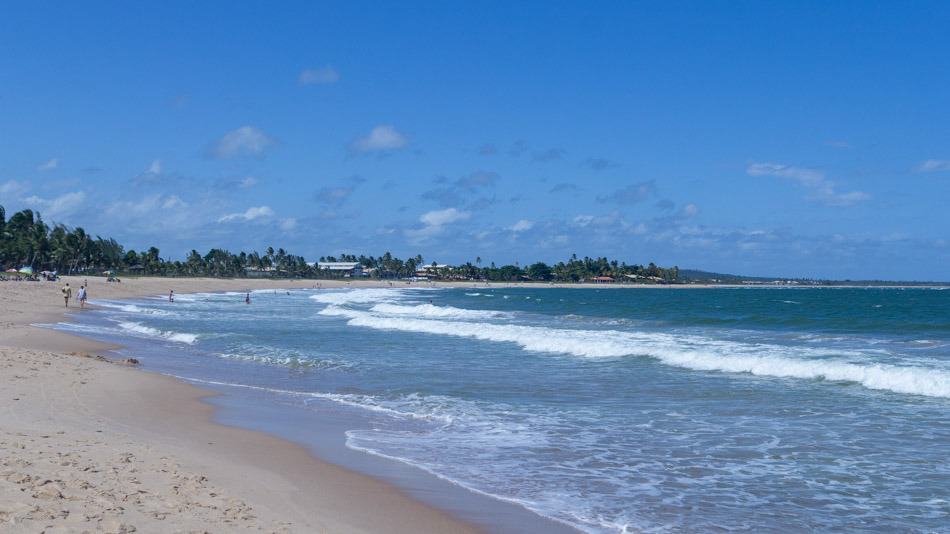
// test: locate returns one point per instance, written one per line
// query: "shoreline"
(272, 482)
(178, 455)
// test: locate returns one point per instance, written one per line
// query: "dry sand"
(89, 445)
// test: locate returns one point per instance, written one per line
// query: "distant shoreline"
(307, 283)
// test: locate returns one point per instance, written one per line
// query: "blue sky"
(774, 138)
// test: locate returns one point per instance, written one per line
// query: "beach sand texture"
(90, 445)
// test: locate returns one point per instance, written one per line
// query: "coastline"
(175, 462)
(91, 444)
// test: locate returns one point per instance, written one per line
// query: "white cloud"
(49, 165)
(250, 181)
(631, 194)
(244, 141)
(690, 210)
(612, 219)
(172, 201)
(154, 215)
(148, 205)
(249, 215)
(934, 165)
(805, 176)
(443, 217)
(583, 220)
(155, 167)
(434, 223)
(559, 240)
(61, 206)
(521, 226)
(288, 224)
(325, 75)
(13, 188)
(822, 189)
(334, 196)
(383, 137)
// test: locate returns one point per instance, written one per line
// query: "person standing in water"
(82, 296)
(171, 296)
(247, 298)
(67, 293)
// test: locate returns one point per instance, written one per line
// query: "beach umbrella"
(26, 270)
(11, 271)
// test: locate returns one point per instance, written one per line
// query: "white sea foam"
(287, 358)
(148, 331)
(409, 406)
(435, 312)
(357, 296)
(130, 308)
(289, 361)
(690, 352)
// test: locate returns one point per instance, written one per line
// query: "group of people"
(82, 295)
(171, 296)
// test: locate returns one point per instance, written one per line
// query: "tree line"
(27, 241)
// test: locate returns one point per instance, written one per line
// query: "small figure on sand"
(82, 296)
(67, 293)
(171, 296)
(247, 298)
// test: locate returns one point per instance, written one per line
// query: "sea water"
(697, 410)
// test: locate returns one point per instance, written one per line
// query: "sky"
(793, 139)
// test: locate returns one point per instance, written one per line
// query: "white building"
(342, 268)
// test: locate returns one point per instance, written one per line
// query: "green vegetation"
(574, 270)
(25, 240)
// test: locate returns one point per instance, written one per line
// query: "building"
(654, 279)
(345, 269)
(254, 272)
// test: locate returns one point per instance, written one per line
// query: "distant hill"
(696, 275)
(699, 276)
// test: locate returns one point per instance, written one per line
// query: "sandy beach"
(91, 445)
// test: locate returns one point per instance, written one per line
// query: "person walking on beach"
(82, 297)
(171, 296)
(67, 293)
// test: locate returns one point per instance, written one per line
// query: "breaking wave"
(688, 352)
(148, 331)
(435, 312)
(130, 308)
(356, 296)
(292, 359)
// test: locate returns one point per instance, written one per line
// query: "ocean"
(657, 410)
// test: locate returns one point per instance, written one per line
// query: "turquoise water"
(662, 410)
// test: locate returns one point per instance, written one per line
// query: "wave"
(130, 308)
(275, 356)
(289, 361)
(357, 296)
(407, 407)
(689, 352)
(148, 331)
(458, 417)
(432, 311)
